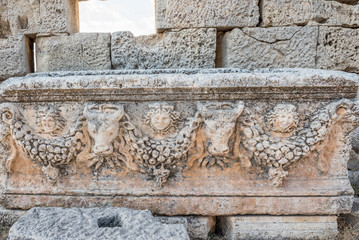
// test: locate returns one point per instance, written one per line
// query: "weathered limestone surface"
(197, 227)
(4, 23)
(188, 48)
(206, 13)
(316, 12)
(15, 57)
(77, 52)
(39, 16)
(252, 48)
(91, 224)
(180, 142)
(338, 49)
(279, 227)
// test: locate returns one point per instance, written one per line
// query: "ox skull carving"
(219, 120)
(103, 125)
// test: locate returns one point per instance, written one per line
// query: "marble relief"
(218, 134)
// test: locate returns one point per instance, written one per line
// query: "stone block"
(313, 12)
(41, 16)
(279, 227)
(209, 142)
(206, 13)
(188, 48)
(197, 227)
(252, 48)
(93, 223)
(15, 57)
(77, 52)
(338, 49)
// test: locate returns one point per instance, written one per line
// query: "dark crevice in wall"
(30, 53)
(218, 59)
(219, 230)
(260, 8)
(316, 48)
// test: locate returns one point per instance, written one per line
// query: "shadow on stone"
(109, 221)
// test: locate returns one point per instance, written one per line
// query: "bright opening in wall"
(137, 16)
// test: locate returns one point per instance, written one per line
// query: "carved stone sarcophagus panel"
(181, 142)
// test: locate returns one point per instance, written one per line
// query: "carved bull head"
(219, 123)
(103, 122)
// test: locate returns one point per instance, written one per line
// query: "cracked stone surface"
(188, 48)
(15, 57)
(338, 49)
(41, 16)
(93, 223)
(252, 48)
(314, 12)
(206, 13)
(77, 52)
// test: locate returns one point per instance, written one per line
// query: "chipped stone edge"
(231, 83)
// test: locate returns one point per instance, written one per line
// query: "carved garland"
(105, 134)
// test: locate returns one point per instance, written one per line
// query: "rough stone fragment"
(316, 12)
(279, 227)
(39, 16)
(275, 47)
(189, 48)
(95, 223)
(15, 57)
(9, 217)
(338, 49)
(354, 179)
(353, 163)
(206, 13)
(353, 217)
(197, 227)
(81, 51)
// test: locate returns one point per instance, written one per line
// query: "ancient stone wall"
(251, 34)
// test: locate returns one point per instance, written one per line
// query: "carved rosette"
(218, 134)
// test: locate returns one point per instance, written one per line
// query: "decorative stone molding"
(187, 149)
